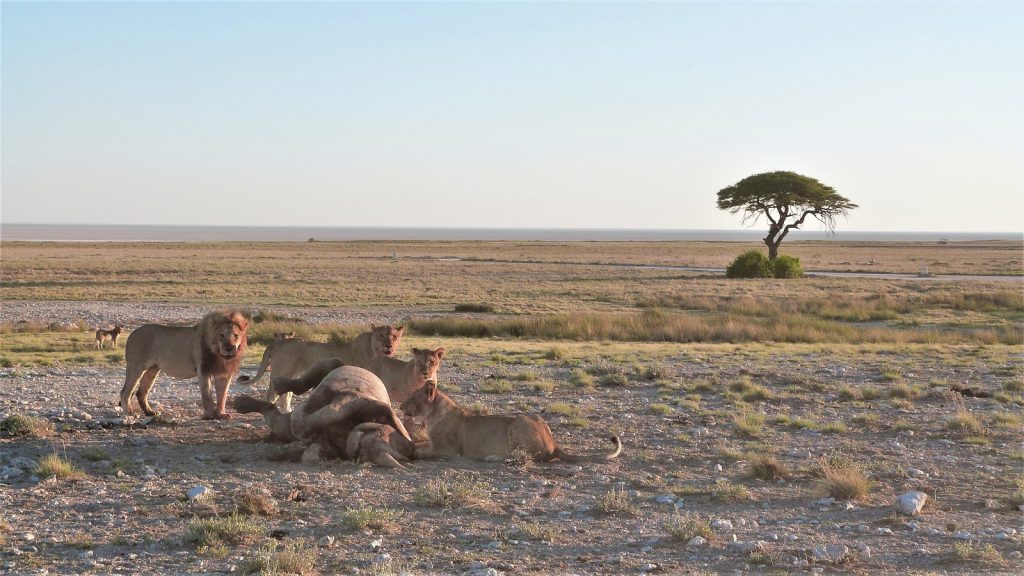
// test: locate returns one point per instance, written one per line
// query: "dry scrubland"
(743, 406)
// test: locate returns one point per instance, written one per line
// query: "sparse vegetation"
(255, 503)
(580, 378)
(454, 491)
(234, 529)
(56, 467)
(684, 527)
(615, 501)
(766, 467)
(976, 552)
(385, 519)
(843, 479)
(725, 491)
(748, 423)
(23, 425)
(274, 558)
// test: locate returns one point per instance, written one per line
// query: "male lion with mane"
(211, 350)
(290, 358)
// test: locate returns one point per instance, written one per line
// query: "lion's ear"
(399, 329)
(417, 351)
(374, 326)
(439, 353)
(431, 390)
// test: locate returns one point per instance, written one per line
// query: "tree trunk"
(773, 247)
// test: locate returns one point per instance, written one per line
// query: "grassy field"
(542, 291)
(740, 400)
(513, 277)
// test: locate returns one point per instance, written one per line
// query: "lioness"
(211, 350)
(108, 335)
(455, 431)
(289, 358)
(401, 377)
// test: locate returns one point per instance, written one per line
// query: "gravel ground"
(130, 513)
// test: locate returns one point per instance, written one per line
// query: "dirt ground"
(684, 459)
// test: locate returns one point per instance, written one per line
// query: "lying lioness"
(103, 336)
(455, 431)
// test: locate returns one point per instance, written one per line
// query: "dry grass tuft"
(273, 559)
(725, 491)
(211, 532)
(977, 552)
(766, 467)
(616, 501)
(255, 504)
(454, 491)
(56, 467)
(22, 425)
(384, 519)
(748, 423)
(844, 480)
(684, 527)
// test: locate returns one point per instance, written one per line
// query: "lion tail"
(592, 457)
(264, 366)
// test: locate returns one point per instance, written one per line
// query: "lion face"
(421, 406)
(229, 336)
(384, 340)
(427, 362)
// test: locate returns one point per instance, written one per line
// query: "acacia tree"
(786, 199)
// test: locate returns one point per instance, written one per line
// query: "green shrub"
(787, 267)
(752, 264)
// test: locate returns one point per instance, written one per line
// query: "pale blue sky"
(610, 115)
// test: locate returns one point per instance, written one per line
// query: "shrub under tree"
(750, 264)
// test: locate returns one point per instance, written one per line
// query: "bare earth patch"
(686, 470)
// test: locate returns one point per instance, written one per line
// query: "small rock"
(666, 499)
(917, 472)
(28, 537)
(649, 567)
(963, 535)
(718, 468)
(721, 524)
(696, 541)
(749, 547)
(825, 501)
(376, 544)
(23, 463)
(884, 531)
(832, 553)
(476, 565)
(911, 502)
(863, 550)
(326, 541)
(382, 558)
(1015, 555)
(197, 493)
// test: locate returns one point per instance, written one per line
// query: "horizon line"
(509, 228)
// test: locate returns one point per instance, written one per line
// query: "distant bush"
(787, 267)
(752, 264)
(482, 308)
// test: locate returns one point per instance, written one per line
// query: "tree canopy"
(786, 199)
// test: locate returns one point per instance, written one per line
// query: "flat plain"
(771, 418)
